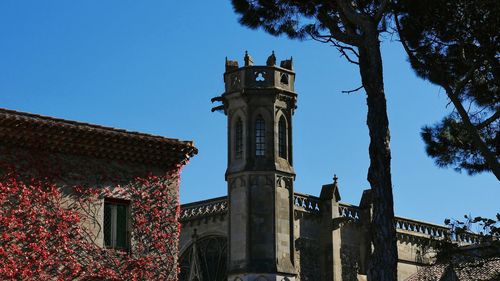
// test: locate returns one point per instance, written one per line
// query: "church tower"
(259, 102)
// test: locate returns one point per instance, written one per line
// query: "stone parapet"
(259, 77)
(432, 231)
(204, 209)
(407, 229)
(306, 203)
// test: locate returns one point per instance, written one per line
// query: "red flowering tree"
(43, 234)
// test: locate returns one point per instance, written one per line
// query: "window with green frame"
(116, 224)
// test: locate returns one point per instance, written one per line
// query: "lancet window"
(204, 260)
(260, 136)
(282, 138)
(238, 138)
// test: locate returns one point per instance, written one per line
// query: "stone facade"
(272, 232)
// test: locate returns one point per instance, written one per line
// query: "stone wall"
(203, 219)
(415, 239)
(307, 247)
(69, 170)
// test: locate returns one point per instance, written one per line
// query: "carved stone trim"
(202, 209)
(282, 181)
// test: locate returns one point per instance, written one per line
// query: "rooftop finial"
(271, 60)
(330, 191)
(248, 59)
(288, 64)
(231, 65)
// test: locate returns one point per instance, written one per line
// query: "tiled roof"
(59, 135)
(461, 269)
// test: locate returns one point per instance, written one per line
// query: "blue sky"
(152, 66)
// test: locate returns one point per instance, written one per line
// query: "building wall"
(414, 248)
(70, 170)
(307, 246)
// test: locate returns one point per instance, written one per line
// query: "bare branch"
(342, 48)
(344, 54)
(354, 90)
(351, 49)
(470, 105)
(479, 112)
(321, 38)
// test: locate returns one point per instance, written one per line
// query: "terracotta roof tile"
(37, 131)
(477, 269)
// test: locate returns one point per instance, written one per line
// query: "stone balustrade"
(196, 210)
(312, 205)
(434, 231)
(349, 211)
(306, 203)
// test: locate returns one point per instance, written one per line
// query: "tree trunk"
(382, 264)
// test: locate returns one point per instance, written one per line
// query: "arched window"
(282, 137)
(204, 260)
(238, 139)
(260, 136)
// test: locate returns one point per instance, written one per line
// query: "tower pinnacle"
(248, 59)
(259, 101)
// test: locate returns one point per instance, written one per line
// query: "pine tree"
(456, 45)
(353, 27)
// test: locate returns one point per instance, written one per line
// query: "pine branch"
(383, 7)
(488, 121)
(346, 37)
(488, 155)
(348, 10)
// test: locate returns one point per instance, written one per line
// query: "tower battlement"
(259, 77)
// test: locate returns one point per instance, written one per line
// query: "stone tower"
(259, 102)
